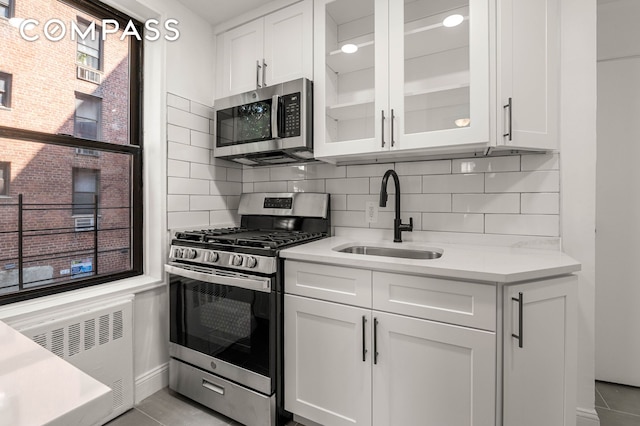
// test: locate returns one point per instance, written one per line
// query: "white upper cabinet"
(266, 51)
(413, 83)
(529, 73)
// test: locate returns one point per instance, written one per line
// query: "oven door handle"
(254, 283)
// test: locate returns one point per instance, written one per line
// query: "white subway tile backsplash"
(233, 201)
(223, 218)
(178, 134)
(207, 202)
(418, 168)
(324, 171)
(541, 203)
(522, 224)
(460, 183)
(202, 110)
(203, 140)
(487, 164)
(359, 202)
(408, 185)
(192, 220)
(353, 219)
(177, 203)
(234, 175)
(368, 170)
(177, 151)
(176, 186)
(537, 181)
(177, 102)
(315, 185)
(540, 162)
(270, 186)
(186, 119)
(247, 187)
(453, 222)
(225, 188)
(338, 202)
(177, 168)
(348, 186)
(255, 175)
(425, 202)
(206, 171)
(486, 203)
(288, 172)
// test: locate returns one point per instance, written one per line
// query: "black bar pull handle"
(510, 106)
(382, 136)
(519, 336)
(375, 340)
(364, 345)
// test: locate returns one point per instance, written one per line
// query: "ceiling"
(218, 11)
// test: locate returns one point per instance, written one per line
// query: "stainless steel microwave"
(270, 125)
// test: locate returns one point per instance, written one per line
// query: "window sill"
(134, 285)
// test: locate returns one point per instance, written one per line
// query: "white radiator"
(97, 339)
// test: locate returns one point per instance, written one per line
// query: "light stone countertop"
(459, 261)
(38, 388)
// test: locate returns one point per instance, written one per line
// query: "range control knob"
(236, 260)
(251, 262)
(190, 254)
(211, 257)
(177, 253)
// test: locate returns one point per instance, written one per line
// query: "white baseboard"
(151, 382)
(585, 417)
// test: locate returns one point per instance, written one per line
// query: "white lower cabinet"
(423, 350)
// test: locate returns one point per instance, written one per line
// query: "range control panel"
(278, 203)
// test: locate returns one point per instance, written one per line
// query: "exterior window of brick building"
(5, 172)
(67, 138)
(89, 49)
(87, 117)
(6, 8)
(5, 89)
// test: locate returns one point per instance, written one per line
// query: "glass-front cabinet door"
(417, 77)
(439, 72)
(350, 76)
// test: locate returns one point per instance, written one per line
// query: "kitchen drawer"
(453, 302)
(332, 283)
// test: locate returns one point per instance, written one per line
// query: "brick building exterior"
(50, 92)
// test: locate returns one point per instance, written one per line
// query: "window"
(6, 8)
(5, 177)
(89, 48)
(66, 141)
(87, 117)
(85, 186)
(5, 89)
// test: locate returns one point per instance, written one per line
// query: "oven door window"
(225, 322)
(243, 124)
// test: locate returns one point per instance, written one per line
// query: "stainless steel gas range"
(226, 305)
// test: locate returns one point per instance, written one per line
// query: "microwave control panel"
(291, 117)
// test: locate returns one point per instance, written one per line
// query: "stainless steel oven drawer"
(241, 404)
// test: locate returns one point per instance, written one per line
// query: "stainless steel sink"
(393, 252)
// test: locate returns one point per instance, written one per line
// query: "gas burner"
(277, 239)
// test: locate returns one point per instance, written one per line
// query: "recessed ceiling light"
(349, 48)
(462, 122)
(453, 20)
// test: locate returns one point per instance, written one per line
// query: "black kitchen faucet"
(398, 226)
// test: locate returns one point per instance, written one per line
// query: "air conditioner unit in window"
(84, 224)
(89, 75)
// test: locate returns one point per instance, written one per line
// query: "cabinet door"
(540, 376)
(432, 374)
(439, 73)
(288, 44)
(350, 89)
(529, 72)
(241, 56)
(327, 373)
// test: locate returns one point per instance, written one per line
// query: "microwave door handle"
(275, 113)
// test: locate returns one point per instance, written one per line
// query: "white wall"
(618, 200)
(577, 168)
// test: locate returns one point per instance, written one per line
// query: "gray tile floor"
(617, 405)
(167, 408)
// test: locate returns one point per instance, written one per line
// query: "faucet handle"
(407, 226)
